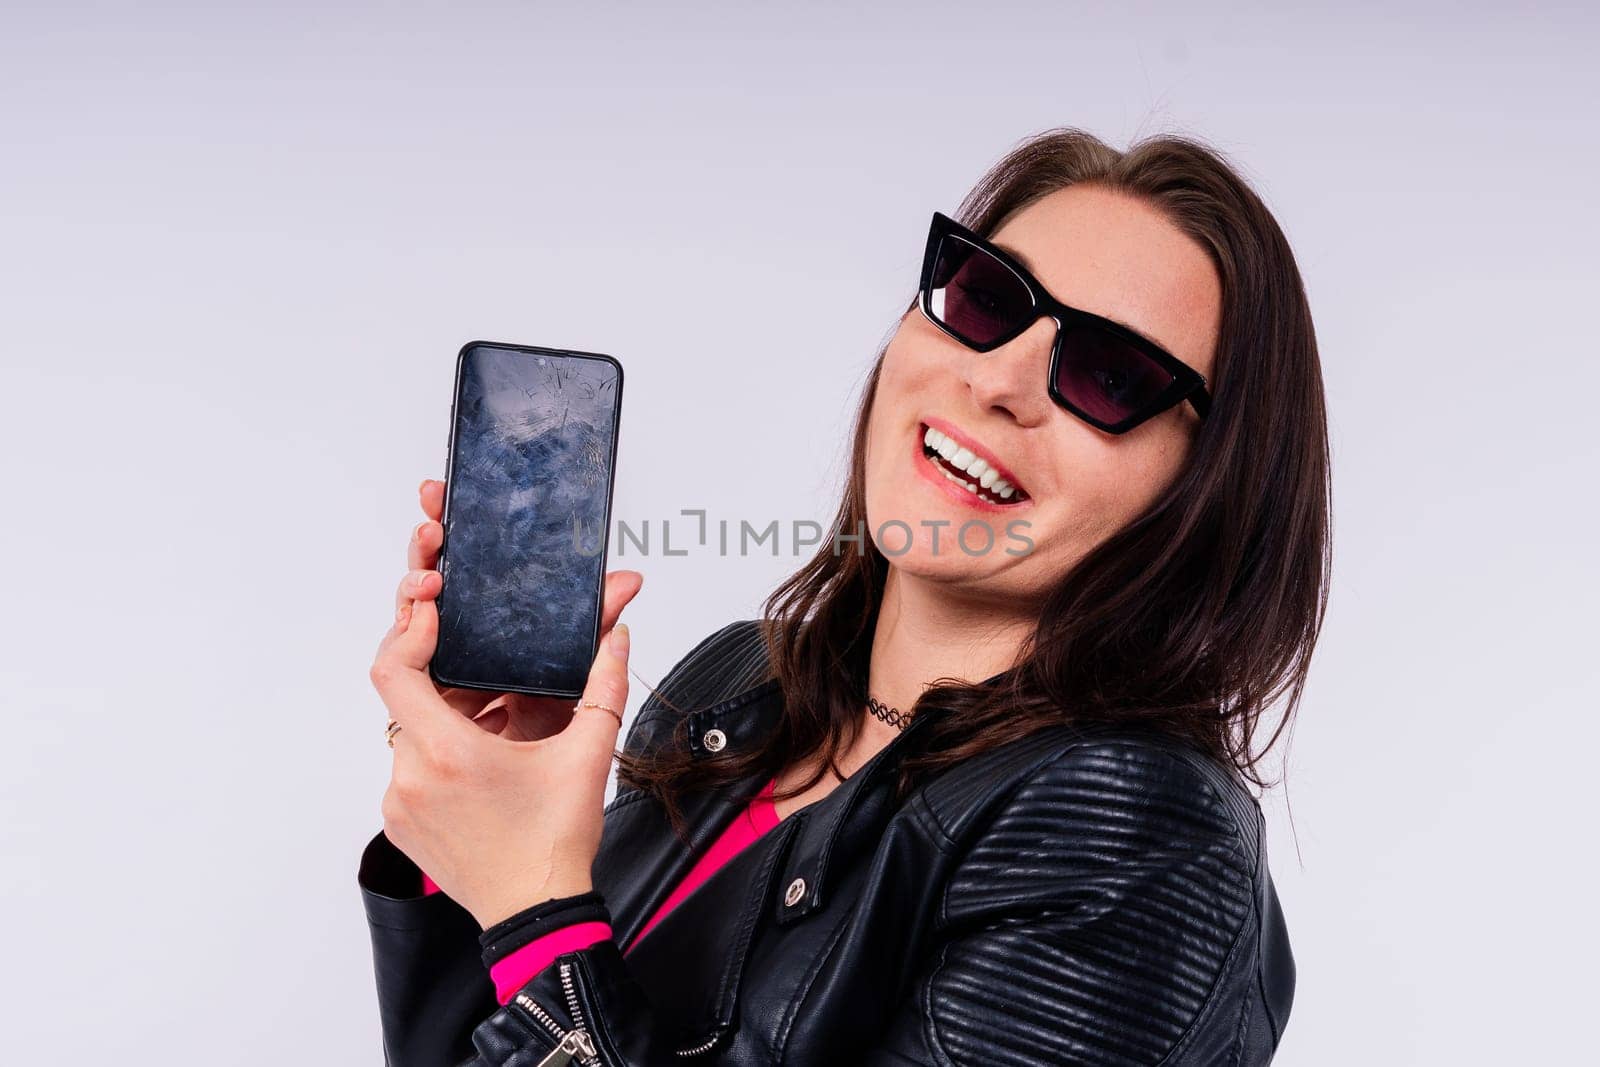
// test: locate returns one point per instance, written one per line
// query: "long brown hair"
(1194, 619)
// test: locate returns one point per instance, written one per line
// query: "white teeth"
(968, 486)
(965, 459)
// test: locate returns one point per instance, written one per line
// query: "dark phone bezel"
(449, 492)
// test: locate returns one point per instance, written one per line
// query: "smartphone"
(529, 471)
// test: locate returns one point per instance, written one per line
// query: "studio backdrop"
(242, 244)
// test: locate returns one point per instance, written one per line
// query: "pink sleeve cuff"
(428, 888)
(517, 969)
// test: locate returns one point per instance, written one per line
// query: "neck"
(926, 632)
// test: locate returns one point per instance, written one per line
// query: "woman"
(974, 789)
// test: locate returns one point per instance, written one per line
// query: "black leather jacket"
(1064, 899)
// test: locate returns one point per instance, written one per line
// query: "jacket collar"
(786, 873)
(739, 722)
(856, 809)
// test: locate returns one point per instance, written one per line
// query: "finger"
(416, 585)
(621, 587)
(400, 674)
(414, 647)
(422, 551)
(402, 619)
(594, 729)
(431, 495)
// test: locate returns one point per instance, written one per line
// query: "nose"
(1011, 378)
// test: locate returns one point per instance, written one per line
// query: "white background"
(240, 246)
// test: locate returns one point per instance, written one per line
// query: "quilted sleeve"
(1087, 923)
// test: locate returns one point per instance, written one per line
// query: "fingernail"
(619, 639)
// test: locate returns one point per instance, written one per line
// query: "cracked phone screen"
(528, 503)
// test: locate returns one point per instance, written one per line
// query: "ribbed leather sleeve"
(1091, 918)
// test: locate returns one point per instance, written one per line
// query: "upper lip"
(967, 441)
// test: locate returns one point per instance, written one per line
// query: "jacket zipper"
(695, 1050)
(574, 1044)
(572, 997)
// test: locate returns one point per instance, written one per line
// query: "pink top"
(518, 968)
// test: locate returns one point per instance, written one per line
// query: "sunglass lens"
(975, 295)
(1106, 376)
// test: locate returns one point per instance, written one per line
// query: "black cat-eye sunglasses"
(1100, 370)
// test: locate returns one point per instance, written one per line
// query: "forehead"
(1115, 255)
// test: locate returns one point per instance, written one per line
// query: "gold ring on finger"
(603, 707)
(390, 730)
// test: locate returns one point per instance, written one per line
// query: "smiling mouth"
(968, 471)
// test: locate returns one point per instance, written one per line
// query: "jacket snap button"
(715, 740)
(796, 890)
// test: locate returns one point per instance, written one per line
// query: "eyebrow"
(1020, 258)
(1017, 255)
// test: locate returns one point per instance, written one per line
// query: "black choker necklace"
(892, 716)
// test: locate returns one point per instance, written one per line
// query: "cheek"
(895, 377)
(1157, 464)
(914, 361)
(1130, 480)
(879, 464)
(1098, 485)
(891, 405)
